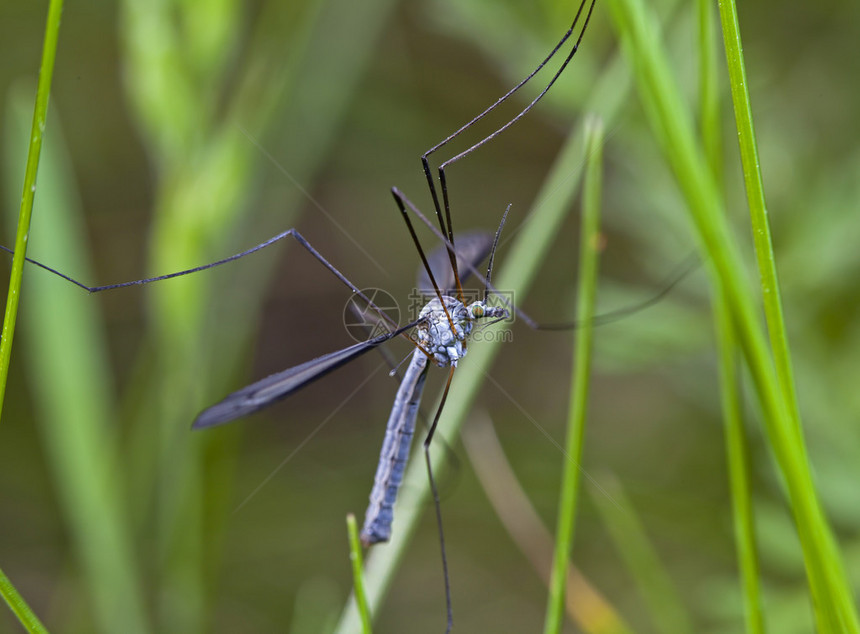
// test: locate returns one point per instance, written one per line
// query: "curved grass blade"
(357, 575)
(738, 458)
(580, 381)
(26, 616)
(671, 123)
(37, 131)
(755, 198)
(39, 121)
(737, 448)
(68, 362)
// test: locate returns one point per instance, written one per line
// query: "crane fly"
(441, 333)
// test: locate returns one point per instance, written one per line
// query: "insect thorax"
(435, 335)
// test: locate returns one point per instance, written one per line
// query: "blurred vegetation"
(184, 132)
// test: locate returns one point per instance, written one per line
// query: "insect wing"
(471, 248)
(278, 386)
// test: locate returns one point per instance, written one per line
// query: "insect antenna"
(493, 251)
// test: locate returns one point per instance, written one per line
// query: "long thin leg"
(399, 198)
(158, 278)
(289, 233)
(445, 223)
(507, 95)
(436, 504)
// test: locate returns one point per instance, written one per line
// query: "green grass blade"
(631, 540)
(67, 359)
(19, 607)
(755, 198)
(37, 131)
(357, 573)
(673, 128)
(834, 606)
(583, 346)
(709, 90)
(737, 449)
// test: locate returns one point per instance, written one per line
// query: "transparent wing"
(471, 247)
(278, 386)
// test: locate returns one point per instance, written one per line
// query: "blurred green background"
(194, 130)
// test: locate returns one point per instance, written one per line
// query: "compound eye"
(477, 311)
